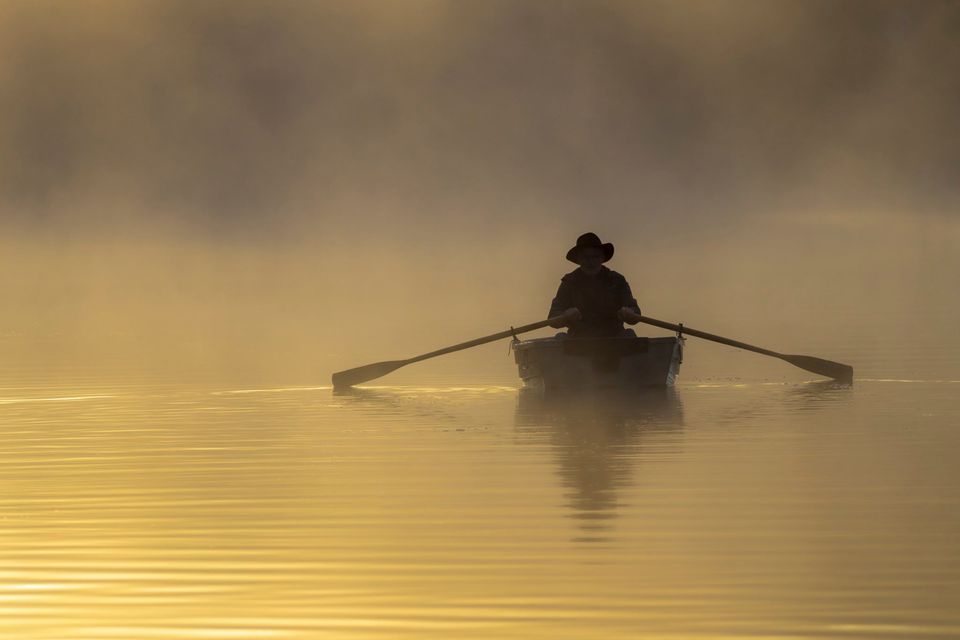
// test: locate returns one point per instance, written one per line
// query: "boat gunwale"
(561, 339)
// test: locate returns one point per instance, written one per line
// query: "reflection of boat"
(598, 441)
(652, 409)
(565, 364)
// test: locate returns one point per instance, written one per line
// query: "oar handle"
(708, 336)
(491, 338)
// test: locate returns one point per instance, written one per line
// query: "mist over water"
(302, 310)
(295, 187)
(260, 116)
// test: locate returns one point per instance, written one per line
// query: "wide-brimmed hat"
(590, 240)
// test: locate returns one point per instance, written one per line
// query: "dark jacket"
(598, 298)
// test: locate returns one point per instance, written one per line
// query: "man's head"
(590, 253)
(590, 259)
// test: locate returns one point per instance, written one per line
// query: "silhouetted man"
(594, 301)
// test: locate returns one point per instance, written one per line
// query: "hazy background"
(282, 189)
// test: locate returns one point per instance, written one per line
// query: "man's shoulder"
(570, 276)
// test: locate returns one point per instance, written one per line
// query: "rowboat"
(564, 365)
(628, 363)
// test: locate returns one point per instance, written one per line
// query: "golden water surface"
(145, 508)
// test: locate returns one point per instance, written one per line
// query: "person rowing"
(592, 300)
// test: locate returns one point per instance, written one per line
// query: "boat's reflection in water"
(598, 440)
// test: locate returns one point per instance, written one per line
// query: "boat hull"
(563, 364)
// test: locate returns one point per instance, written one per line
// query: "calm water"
(726, 509)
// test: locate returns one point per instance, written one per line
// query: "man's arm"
(563, 305)
(629, 309)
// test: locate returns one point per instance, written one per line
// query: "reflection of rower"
(595, 442)
(592, 300)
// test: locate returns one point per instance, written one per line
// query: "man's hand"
(628, 315)
(567, 317)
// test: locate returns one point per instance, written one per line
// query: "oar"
(369, 372)
(828, 368)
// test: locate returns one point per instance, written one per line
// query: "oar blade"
(359, 375)
(827, 368)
